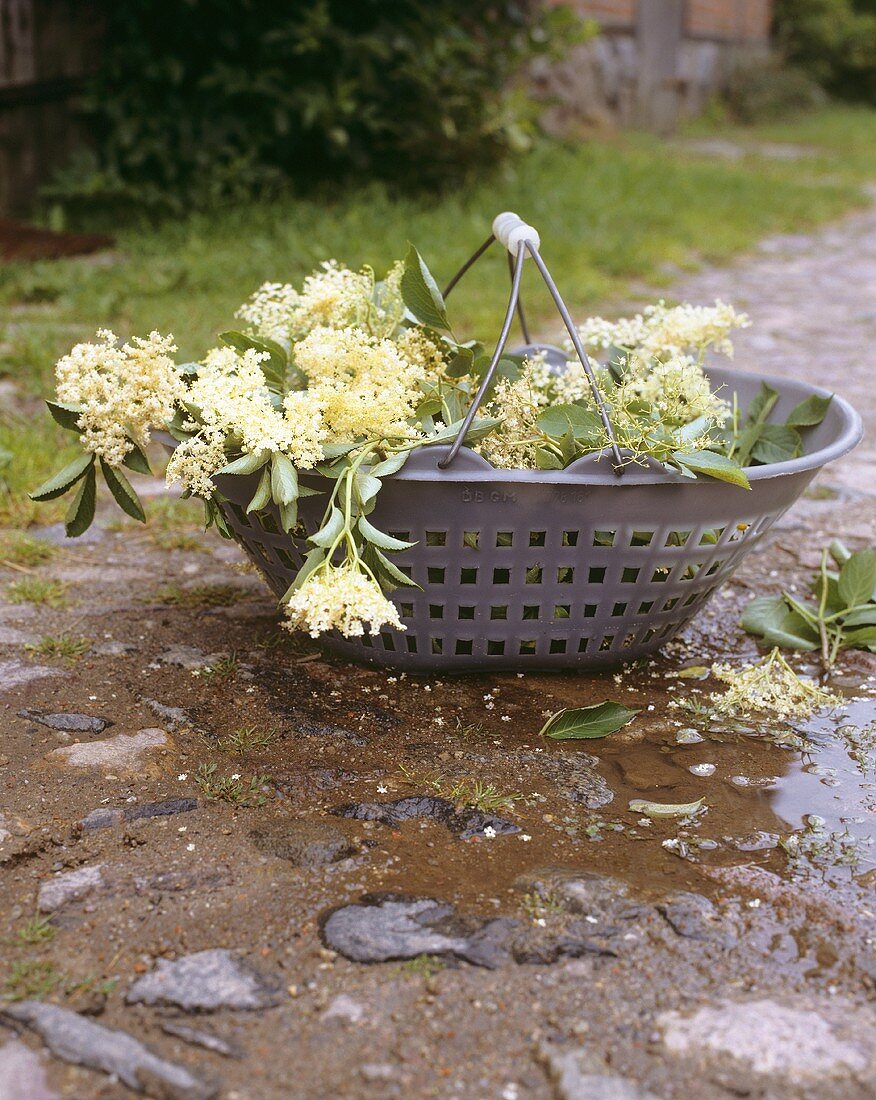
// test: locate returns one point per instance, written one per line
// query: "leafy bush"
(834, 41)
(766, 89)
(197, 99)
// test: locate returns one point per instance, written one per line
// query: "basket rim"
(595, 469)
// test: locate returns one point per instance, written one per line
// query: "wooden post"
(659, 25)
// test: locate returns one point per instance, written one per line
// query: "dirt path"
(193, 808)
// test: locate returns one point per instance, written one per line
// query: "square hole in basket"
(606, 643)
(666, 629)
(495, 648)
(436, 538)
(238, 513)
(677, 538)
(531, 610)
(570, 538)
(468, 576)
(629, 575)
(504, 538)
(604, 538)
(285, 558)
(582, 645)
(471, 539)
(713, 568)
(648, 635)
(500, 612)
(463, 647)
(405, 536)
(435, 574)
(437, 645)
(436, 610)
(565, 575)
(590, 610)
(406, 610)
(668, 606)
(641, 538)
(367, 641)
(710, 537)
(619, 609)
(388, 642)
(268, 523)
(464, 612)
(557, 645)
(406, 569)
(562, 610)
(533, 574)
(661, 574)
(527, 647)
(536, 538)
(596, 574)
(628, 641)
(501, 576)
(691, 599)
(411, 643)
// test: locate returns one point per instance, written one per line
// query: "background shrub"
(834, 41)
(199, 99)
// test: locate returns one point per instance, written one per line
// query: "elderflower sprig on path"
(769, 685)
(121, 391)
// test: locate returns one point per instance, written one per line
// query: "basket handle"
(522, 242)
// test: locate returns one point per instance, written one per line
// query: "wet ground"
(224, 788)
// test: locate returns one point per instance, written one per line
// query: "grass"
(422, 966)
(37, 590)
(30, 980)
(66, 647)
(613, 212)
(473, 793)
(37, 930)
(248, 739)
(18, 548)
(234, 789)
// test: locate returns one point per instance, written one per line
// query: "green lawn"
(612, 213)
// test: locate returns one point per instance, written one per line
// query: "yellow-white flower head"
(123, 390)
(342, 598)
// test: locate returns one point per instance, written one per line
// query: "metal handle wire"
(514, 304)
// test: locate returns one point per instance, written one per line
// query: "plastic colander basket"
(585, 567)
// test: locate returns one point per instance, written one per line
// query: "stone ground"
(232, 866)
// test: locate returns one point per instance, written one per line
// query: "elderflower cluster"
(365, 384)
(233, 401)
(678, 389)
(122, 391)
(769, 685)
(333, 297)
(341, 598)
(661, 330)
(513, 443)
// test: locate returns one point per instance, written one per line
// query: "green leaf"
(274, 368)
(865, 617)
(289, 515)
(776, 443)
(330, 530)
(715, 465)
(547, 460)
(763, 404)
(390, 572)
(857, 579)
(861, 639)
(557, 421)
(838, 552)
(461, 363)
(58, 484)
(391, 465)
(809, 412)
(420, 292)
(313, 559)
(665, 809)
(81, 512)
(123, 492)
(788, 640)
(262, 495)
(764, 613)
(65, 415)
(284, 479)
(136, 460)
(598, 720)
(379, 538)
(247, 464)
(366, 487)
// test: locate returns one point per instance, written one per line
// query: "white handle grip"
(511, 230)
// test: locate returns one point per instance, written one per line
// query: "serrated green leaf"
(857, 579)
(65, 415)
(123, 492)
(379, 538)
(420, 292)
(284, 479)
(389, 572)
(59, 483)
(136, 460)
(763, 613)
(247, 464)
(366, 487)
(312, 560)
(665, 809)
(81, 512)
(547, 460)
(330, 530)
(776, 443)
(809, 412)
(262, 495)
(715, 465)
(559, 420)
(391, 465)
(577, 723)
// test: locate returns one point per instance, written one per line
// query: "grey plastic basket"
(585, 567)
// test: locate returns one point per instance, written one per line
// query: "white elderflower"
(342, 598)
(513, 444)
(678, 389)
(768, 685)
(122, 391)
(662, 330)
